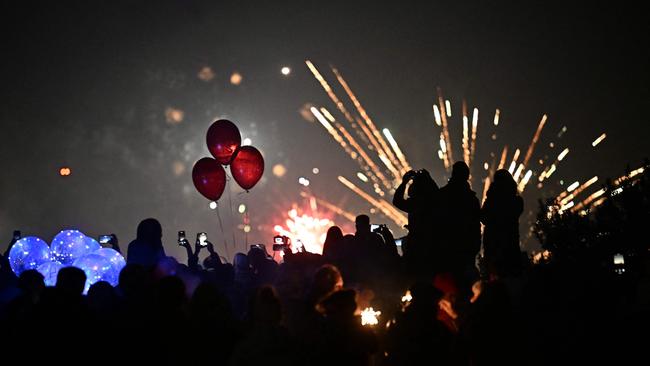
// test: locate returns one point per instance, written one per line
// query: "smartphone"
(105, 240)
(374, 227)
(17, 235)
(202, 239)
(181, 237)
(398, 242)
(280, 243)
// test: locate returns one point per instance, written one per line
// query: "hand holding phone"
(182, 240)
(202, 239)
(105, 240)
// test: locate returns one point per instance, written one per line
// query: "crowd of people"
(306, 309)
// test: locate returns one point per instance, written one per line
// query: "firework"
(307, 232)
(599, 139)
(376, 136)
(385, 162)
(531, 147)
(369, 316)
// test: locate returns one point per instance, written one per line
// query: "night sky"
(86, 85)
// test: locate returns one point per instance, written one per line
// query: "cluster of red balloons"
(224, 142)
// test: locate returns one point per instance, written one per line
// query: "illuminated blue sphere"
(116, 259)
(69, 245)
(92, 244)
(28, 253)
(50, 270)
(97, 268)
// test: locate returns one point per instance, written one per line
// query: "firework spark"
(599, 140)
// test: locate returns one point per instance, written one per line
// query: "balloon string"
(232, 221)
(223, 234)
(247, 219)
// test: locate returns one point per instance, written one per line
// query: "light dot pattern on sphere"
(117, 260)
(97, 268)
(50, 270)
(69, 245)
(28, 253)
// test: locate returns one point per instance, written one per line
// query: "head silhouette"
(503, 183)
(265, 306)
(71, 281)
(460, 171)
(150, 231)
(334, 234)
(340, 304)
(327, 279)
(362, 224)
(423, 185)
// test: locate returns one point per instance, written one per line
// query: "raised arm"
(398, 198)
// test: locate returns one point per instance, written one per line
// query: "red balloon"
(223, 139)
(209, 178)
(247, 167)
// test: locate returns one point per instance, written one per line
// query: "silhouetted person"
(500, 215)
(417, 337)
(344, 341)
(170, 318)
(462, 228)
(333, 246)
(420, 205)
(19, 311)
(263, 268)
(267, 341)
(211, 318)
(147, 248)
(366, 252)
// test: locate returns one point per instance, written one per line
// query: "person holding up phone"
(109, 241)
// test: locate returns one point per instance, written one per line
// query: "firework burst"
(383, 163)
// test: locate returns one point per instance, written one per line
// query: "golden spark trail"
(398, 151)
(525, 180)
(445, 127)
(486, 186)
(513, 165)
(330, 206)
(329, 91)
(529, 153)
(518, 172)
(496, 117)
(465, 140)
(474, 128)
(599, 140)
(592, 197)
(466, 153)
(384, 146)
(548, 171)
(398, 219)
(360, 152)
(504, 154)
(436, 115)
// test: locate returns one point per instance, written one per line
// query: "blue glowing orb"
(28, 253)
(50, 270)
(92, 244)
(116, 259)
(97, 268)
(69, 245)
